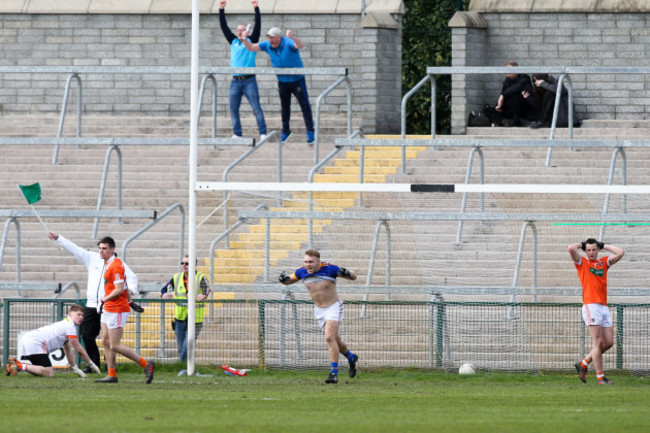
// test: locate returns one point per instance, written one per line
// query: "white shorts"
(333, 312)
(114, 320)
(31, 346)
(597, 314)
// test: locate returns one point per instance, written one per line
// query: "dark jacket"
(548, 104)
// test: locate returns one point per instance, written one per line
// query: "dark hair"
(591, 241)
(312, 253)
(108, 241)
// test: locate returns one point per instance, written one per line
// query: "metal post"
(214, 103)
(261, 333)
(64, 108)
(620, 328)
(102, 188)
(5, 233)
(610, 181)
(468, 176)
(373, 255)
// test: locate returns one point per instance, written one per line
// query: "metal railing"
(282, 340)
(225, 235)
(273, 135)
(13, 215)
(564, 73)
(477, 145)
(381, 217)
(166, 212)
(75, 73)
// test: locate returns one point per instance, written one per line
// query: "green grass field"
(298, 401)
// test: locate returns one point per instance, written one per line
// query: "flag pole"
(39, 218)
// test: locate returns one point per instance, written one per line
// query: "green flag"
(32, 193)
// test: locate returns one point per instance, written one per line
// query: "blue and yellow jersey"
(325, 272)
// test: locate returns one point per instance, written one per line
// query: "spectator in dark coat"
(511, 106)
(546, 88)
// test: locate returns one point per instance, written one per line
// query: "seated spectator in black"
(512, 108)
(546, 88)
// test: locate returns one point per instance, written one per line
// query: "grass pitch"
(298, 401)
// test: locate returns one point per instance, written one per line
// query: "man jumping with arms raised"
(320, 279)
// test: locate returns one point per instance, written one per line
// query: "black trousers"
(89, 330)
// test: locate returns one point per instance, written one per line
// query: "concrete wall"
(143, 33)
(568, 33)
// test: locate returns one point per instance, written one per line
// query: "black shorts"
(39, 359)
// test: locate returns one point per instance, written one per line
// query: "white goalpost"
(505, 286)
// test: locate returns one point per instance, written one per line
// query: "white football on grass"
(466, 369)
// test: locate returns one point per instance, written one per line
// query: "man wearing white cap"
(284, 53)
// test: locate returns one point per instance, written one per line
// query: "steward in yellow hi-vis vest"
(180, 292)
(176, 288)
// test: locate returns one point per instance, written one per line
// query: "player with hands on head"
(36, 346)
(320, 279)
(592, 272)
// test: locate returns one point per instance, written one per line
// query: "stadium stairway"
(242, 257)
(156, 178)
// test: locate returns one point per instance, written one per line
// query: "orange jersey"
(593, 277)
(115, 274)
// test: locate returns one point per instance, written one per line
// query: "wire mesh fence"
(494, 336)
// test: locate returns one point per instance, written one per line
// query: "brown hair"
(312, 253)
(76, 307)
(512, 63)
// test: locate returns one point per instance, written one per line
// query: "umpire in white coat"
(95, 265)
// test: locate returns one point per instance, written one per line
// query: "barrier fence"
(494, 336)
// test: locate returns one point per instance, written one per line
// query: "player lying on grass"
(36, 345)
(320, 279)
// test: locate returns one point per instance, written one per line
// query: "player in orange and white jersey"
(114, 306)
(592, 272)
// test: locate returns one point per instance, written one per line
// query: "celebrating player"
(592, 272)
(320, 279)
(36, 345)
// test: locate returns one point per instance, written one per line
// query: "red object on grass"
(233, 370)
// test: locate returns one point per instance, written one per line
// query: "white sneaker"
(263, 137)
(236, 136)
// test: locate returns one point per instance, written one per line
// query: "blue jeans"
(239, 88)
(299, 89)
(180, 329)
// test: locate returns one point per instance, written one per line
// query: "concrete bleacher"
(423, 254)
(155, 177)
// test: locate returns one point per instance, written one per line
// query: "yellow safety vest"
(180, 292)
